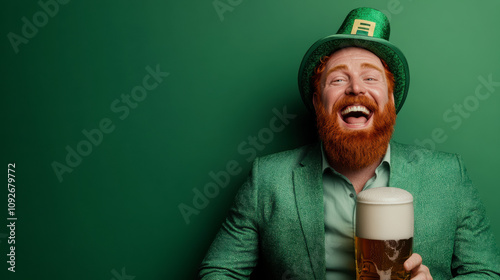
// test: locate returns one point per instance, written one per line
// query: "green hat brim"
(388, 52)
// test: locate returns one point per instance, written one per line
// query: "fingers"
(418, 270)
(423, 273)
(412, 262)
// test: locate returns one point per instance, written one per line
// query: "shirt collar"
(385, 160)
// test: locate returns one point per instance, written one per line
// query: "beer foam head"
(384, 214)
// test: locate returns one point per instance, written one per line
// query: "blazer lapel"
(398, 166)
(308, 189)
(405, 174)
(401, 168)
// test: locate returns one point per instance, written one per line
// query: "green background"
(117, 212)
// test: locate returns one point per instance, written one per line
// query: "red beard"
(359, 148)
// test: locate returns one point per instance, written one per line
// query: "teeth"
(357, 108)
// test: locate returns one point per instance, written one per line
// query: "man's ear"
(391, 98)
(315, 101)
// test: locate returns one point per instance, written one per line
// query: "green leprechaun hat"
(366, 28)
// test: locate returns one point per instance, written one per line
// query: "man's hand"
(418, 270)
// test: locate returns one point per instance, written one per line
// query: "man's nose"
(355, 88)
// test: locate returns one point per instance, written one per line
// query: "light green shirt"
(339, 198)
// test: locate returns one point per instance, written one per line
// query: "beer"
(384, 233)
(382, 259)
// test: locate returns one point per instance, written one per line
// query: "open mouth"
(356, 115)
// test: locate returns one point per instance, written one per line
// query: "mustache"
(355, 149)
(355, 100)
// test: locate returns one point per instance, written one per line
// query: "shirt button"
(351, 195)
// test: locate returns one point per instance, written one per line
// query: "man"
(293, 217)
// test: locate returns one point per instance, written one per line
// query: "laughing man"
(294, 216)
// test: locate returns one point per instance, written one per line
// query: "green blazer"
(275, 228)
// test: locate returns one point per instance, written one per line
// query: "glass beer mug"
(384, 233)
